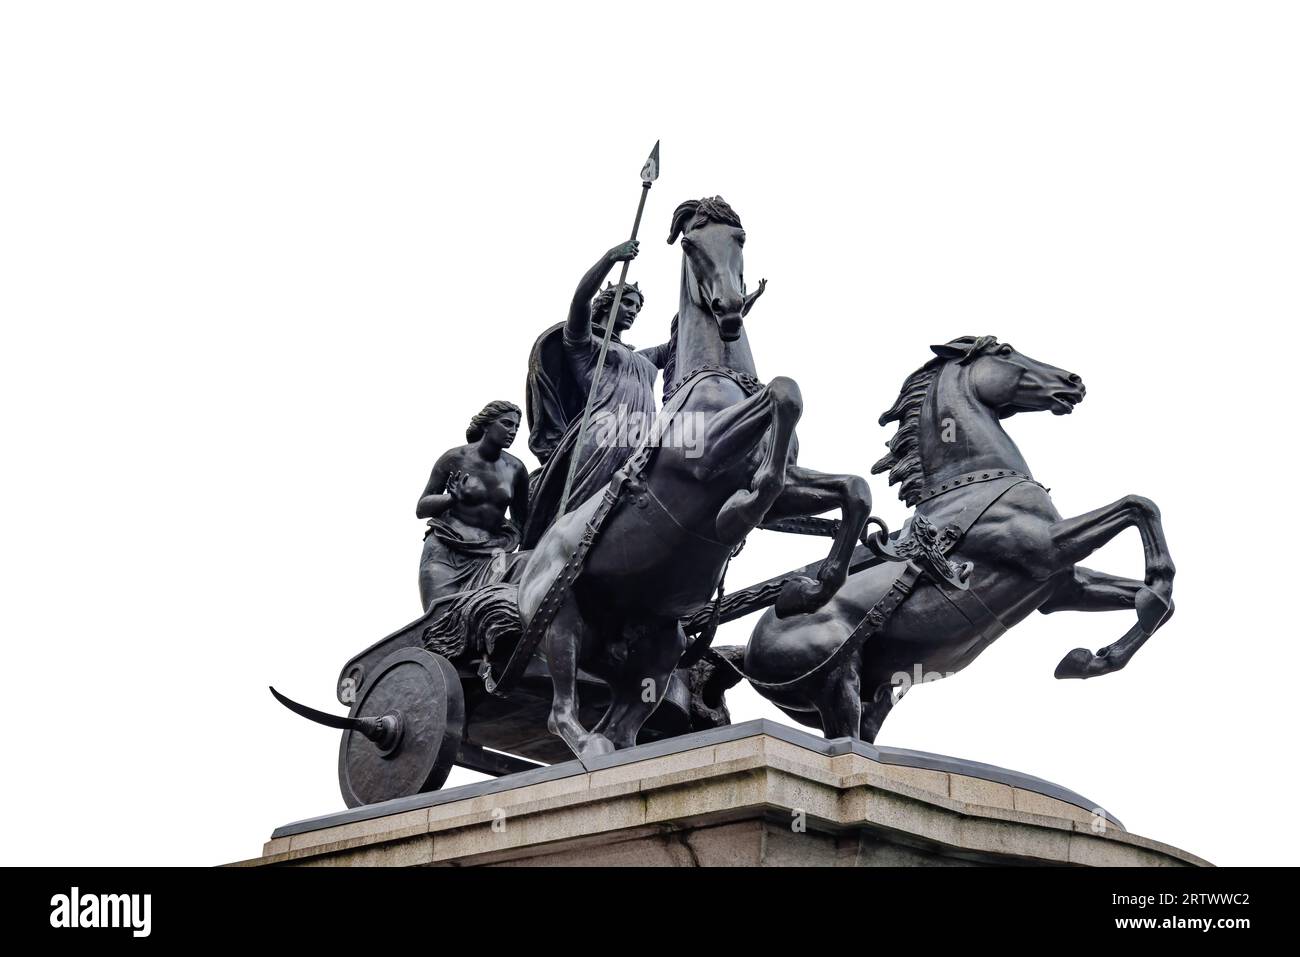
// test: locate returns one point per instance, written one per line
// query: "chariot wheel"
(413, 710)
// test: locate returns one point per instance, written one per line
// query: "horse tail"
(484, 620)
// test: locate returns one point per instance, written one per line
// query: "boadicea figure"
(470, 537)
(560, 373)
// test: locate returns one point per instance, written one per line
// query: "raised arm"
(578, 326)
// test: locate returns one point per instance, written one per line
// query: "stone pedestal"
(757, 793)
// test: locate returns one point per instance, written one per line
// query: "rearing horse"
(656, 555)
(960, 470)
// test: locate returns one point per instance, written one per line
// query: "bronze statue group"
(595, 561)
(572, 611)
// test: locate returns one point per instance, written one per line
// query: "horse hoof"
(799, 596)
(594, 746)
(1082, 663)
(1153, 610)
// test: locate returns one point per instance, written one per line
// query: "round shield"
(415, 714)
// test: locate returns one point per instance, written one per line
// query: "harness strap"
(973, 609)
(660, 507)
(704, 640)
(899, 589)
(749, 383)
(970, 478)
(871, 623)
(554, 597)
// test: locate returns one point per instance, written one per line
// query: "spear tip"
(650, 172)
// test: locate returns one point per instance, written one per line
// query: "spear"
(649, 173)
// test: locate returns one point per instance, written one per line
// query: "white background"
(260, 262)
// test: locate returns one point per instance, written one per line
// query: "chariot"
(414, 714)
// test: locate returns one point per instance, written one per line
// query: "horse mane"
(903, 461)
(697, 212)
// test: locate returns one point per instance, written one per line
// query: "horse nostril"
(1075, 379)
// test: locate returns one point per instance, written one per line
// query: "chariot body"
(415, 714)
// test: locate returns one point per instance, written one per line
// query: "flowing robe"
(560, 375)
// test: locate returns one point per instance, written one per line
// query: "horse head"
(713, 252)
(948, 411)
(1009, 381)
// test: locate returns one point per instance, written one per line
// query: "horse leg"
(733, 432)
(779, 411)
(654, 648)
(839, 702)
(564, 640)
(809, 492)
(875, 711)
(1088, 590)
(1076, 538)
